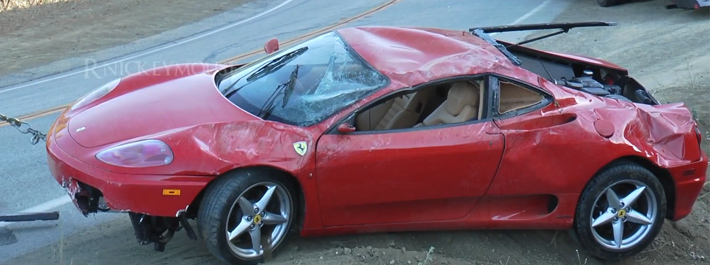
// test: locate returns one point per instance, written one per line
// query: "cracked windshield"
(304, 84)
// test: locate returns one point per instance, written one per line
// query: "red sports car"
(370, 129)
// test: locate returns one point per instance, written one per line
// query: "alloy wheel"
(258, 219)
(623, 215)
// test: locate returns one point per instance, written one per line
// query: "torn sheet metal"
(539, 145)
(404, 57)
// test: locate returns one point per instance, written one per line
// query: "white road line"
(49, 205)
(149, 51)
(528, 14)
(532, 12)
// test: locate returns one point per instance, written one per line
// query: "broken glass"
(330, 77)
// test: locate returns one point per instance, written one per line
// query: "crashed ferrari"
(373, 129)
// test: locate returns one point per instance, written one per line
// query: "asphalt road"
(25, 182)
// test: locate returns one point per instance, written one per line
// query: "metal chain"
(24, 128)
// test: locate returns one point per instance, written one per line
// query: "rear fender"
(667, 133)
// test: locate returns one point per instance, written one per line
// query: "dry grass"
(17, 4)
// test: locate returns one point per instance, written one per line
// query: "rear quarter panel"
(559, 158)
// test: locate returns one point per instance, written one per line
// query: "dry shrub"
(17, 4)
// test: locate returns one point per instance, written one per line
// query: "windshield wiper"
(289, 86)
(276, 64)
(266, 68)
(483, 35)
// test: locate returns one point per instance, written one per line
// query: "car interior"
(514, 97)
(448, 103)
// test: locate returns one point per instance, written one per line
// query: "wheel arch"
(300, 197)
(661, 174)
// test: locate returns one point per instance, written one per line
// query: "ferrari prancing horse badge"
(300, 147)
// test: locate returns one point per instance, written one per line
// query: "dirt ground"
(665, 49)
(30, 37)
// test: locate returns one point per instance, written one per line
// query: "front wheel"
(246, 215)
(620, 212)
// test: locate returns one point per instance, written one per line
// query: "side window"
(429, 105)
(515, 97)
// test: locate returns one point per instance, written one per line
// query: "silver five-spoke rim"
(623, 215)
(258, 219)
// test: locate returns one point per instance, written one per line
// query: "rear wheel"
(247, 215)
(620, 212)
(607, 3)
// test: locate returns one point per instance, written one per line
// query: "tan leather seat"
(461, 105)
(377, 118)
(513, 97)
(410, 114)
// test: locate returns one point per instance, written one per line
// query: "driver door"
(419, 174)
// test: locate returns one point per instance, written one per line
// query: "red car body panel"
(217, 136)
(127, 192)
(421, 175)
(492, 174)
(403, 57)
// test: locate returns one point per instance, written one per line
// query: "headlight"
(147, 153)
(96, 94)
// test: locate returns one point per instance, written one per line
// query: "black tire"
(223, 195)
(624, 178)
(607, 3)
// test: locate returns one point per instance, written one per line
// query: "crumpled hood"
(154, 102)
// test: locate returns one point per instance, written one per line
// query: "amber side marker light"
(171, 192)
(689, 172)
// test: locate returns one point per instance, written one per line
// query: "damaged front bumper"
(157, 204)
(94, 190)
